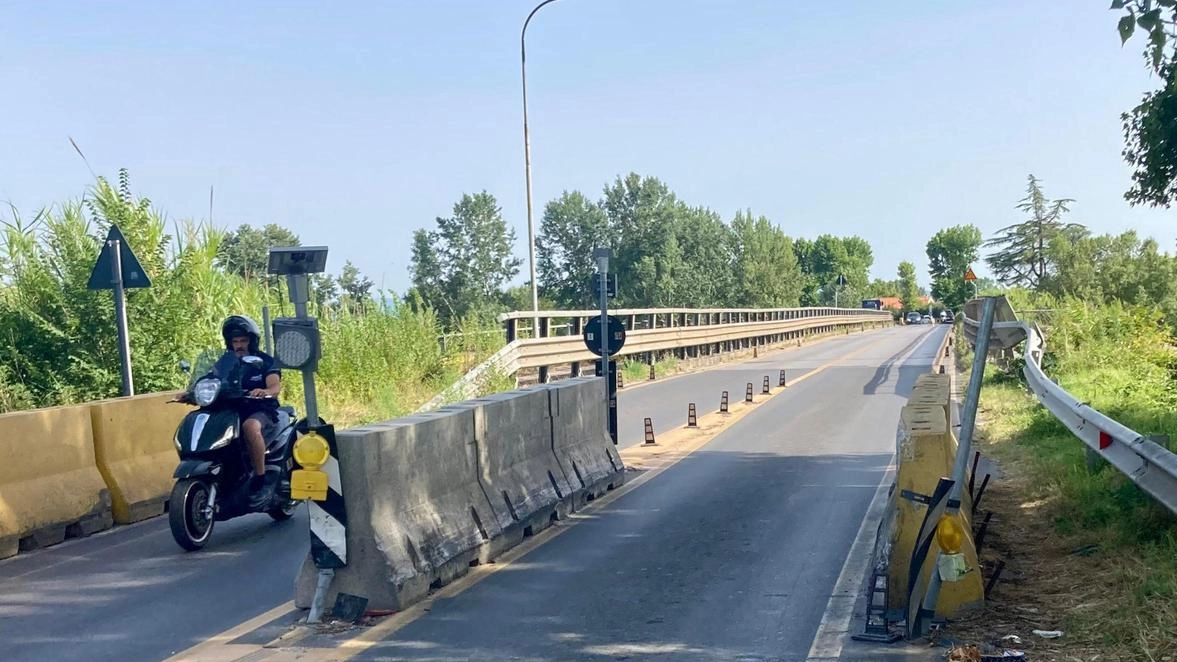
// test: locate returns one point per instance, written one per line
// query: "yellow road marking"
(218, 648)
(672, 448)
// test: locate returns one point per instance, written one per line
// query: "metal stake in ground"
(968, 420)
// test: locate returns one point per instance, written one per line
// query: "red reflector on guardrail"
(1105, 440)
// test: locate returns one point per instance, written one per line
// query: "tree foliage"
(572, 226)
(669, 253)
(766, 269)
(245, 251)
(1150, 129)
(1021, 258)
(908, 287)
(462, 266)
(950, 253)
(59, 343)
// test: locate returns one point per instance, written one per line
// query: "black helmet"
(240, 325)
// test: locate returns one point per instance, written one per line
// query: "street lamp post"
(527, 161)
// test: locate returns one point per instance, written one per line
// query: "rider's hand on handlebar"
(260, 393)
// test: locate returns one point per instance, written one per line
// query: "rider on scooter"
(258, 416)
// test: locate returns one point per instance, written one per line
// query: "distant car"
(927, 319)
(945, 317)
(913, 318)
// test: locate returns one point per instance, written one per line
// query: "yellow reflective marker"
(311, 451)
(948, 535)
(951, 565)
(310, 482)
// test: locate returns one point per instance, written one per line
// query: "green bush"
(60, 343)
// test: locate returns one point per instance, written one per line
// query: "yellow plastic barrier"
(50, 487)
(135, 453)
(926, 451)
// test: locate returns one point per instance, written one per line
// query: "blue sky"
(356, 123)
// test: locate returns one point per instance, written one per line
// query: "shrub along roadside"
(1087, 552)
(381, 358)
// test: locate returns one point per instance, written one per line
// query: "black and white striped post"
(329, 517)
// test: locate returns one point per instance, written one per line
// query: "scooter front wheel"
(188, 518)
(284, 511)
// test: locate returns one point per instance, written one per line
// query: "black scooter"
(212, 479)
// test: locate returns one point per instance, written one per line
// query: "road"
(730, 554)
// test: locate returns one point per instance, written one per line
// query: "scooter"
(212, 478)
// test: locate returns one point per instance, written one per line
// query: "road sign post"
(610, 336)
(120, 316)
(117, 269)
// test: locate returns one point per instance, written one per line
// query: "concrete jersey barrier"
(516, 464)
(135, 453)
(50, 488)
(580, 438)
(425, 493)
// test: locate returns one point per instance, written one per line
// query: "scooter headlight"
(205, 391)
(224, 440)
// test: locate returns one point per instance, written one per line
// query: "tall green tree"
(1111, 268)
(1021, 257)
(950, 253)
(908, 287)
(245, 251)
(355, 288)
(642, 214)
(705, 277)
(767, 273)
(462, 265)
(840, 267)
(572, 226)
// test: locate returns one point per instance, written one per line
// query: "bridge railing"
(650, 331)
(1148, 464)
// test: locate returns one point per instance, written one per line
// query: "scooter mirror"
(185, 366)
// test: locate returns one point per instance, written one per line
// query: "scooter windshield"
(220, 364)
(228, 369)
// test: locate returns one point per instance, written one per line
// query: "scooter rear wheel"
(190, 525)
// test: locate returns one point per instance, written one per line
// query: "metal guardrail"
(1151, 466)
(682, 328)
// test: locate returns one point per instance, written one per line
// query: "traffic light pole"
(299, 287)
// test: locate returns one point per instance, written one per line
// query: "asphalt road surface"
(730, 554)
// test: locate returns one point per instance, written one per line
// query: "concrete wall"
(428, 496)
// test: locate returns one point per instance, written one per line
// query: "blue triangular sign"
(102, 277)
